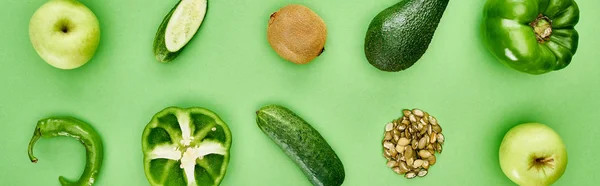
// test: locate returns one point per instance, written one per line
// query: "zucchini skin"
(303, 144)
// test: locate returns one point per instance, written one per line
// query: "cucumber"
(178, 28)
(303, 144)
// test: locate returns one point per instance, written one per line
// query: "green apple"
(533, 154)
(65, 33)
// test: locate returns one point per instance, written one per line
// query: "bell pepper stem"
(542, 26)
(36, 136)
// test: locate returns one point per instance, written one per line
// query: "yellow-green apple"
(64, 33)
(533, 154)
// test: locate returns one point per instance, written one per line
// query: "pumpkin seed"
(387, 154)
(426, 164)
(418, 163)
(395, 132)
(422, 173)
(392, 164)
(408, 152)
(388, 136)
(423, 142)
(388, 145)
(424, 154)
(431, 160)
(432, 137)
(412, 118)
(410, 161)
(432, 120)
(430, 147)
(389, 127)
(401, 127)
(415, 143)
(403, 141)
(437, 128)
(418, 112)
(431, 151)
(429, 129)
(403, 167)
(423, 131)
(440, 138)
(396, 170)
(393, 152)
(410, 175)
(405, 121)
(439, 148)
(406, 112)
(400, 149)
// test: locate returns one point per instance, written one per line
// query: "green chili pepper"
(71, 127)
(186, 147)
(532, 36)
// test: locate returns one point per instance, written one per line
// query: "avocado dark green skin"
(303, 144)
(399, 35)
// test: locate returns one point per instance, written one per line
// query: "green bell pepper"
(185, 147)
(84, 133)
(531, 36)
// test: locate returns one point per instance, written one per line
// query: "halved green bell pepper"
(531, 36)
(186, 147)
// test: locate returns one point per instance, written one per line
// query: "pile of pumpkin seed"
(410, 143)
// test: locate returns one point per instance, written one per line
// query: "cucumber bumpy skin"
(161, 52)
(303, 144)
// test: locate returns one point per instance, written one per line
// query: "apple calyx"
(63, 26)
(541, 163)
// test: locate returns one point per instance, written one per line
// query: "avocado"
(399, 35)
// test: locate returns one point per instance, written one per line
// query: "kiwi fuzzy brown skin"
(297, 34)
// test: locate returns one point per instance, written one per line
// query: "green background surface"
(230, 68)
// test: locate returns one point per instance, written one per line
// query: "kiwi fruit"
(297, 33)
